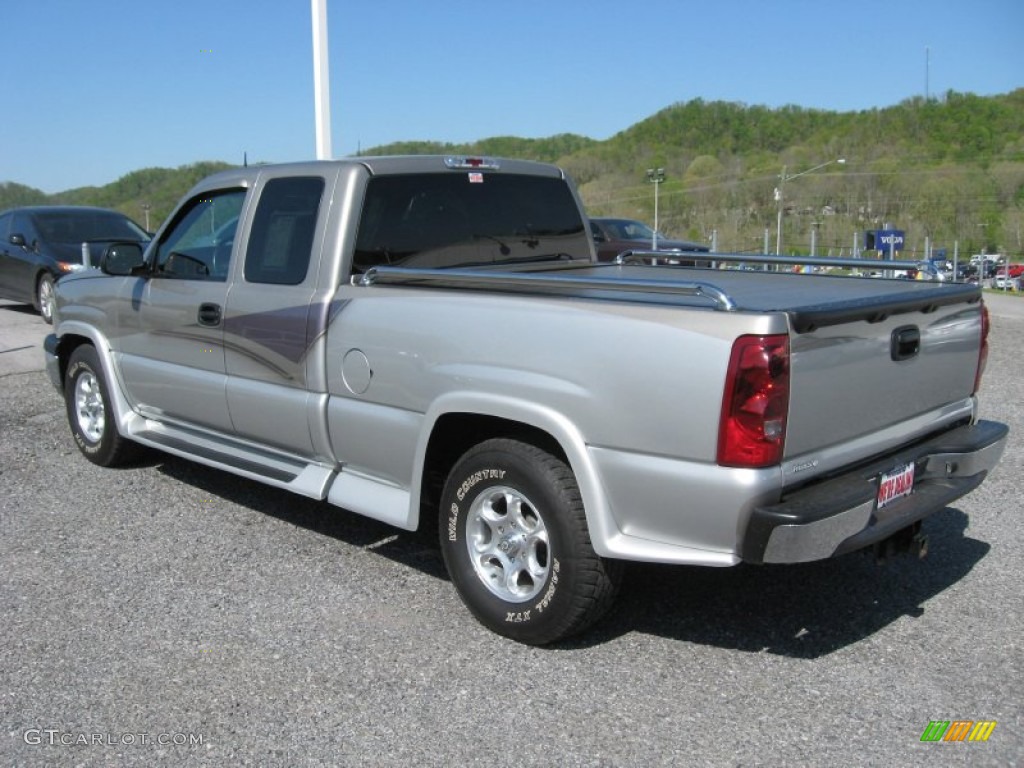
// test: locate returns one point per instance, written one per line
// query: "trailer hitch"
(909, 540)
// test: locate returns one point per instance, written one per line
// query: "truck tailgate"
(859, 377)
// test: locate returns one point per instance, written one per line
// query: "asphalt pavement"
(171, 614)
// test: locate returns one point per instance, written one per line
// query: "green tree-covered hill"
(947, 170)
(158, 188)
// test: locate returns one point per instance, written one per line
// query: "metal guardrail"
(552, 283)
(647, 257)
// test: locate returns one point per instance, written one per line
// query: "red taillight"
(752, 430)
(983, 349)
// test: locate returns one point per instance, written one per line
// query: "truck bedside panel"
(697, 508)
(372, 498)
(375, 440)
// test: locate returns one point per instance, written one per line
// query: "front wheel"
(45, 299)
(90, 415)
(515, 542)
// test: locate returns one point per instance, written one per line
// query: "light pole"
(779, 193)
(321, 81)
(145, 210)
(656, 176)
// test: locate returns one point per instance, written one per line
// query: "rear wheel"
(45, 298)
(515, 541)
(90, 415)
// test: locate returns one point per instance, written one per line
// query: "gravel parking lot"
(170, 614)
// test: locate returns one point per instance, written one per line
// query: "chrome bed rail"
(556, 283)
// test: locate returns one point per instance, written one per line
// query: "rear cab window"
(440, 220)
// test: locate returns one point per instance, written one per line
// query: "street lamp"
(783, 178)
(145, 209)
(656, 176)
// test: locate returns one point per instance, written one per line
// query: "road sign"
(885, 240)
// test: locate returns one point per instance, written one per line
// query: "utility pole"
(656, 176)
(780, 193)
(778, 201)
(927, 71)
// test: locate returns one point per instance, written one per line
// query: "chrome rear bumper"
(840, 514)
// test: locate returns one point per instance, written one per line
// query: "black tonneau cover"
(816, 301)
(811, 301)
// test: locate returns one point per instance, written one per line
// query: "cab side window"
(198, 244)
(281, 239)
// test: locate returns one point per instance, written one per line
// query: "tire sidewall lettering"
(461, 493)
(518, 617)
(84, 445)
(477, 477)
(552, 587)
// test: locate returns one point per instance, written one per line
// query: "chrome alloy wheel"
(89, 410)
(508, 544)
(47, 299)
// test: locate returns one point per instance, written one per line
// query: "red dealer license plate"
(895, 485)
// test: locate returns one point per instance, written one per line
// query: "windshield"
(86, 226)
(428, 221)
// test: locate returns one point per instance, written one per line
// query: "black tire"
(515, 542)
(87, 400)
(44, 298)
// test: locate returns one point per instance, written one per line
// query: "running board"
(231, 455)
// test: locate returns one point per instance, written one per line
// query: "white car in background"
(1005, 283)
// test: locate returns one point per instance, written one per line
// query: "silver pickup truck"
(430, 341)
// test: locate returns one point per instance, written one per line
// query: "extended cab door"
(269, 330)
(171, 327)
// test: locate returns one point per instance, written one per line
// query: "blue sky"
(94, 89)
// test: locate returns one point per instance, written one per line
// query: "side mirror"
(123, 259)
(18, 240)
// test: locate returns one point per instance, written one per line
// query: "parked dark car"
(40, 244)
(967, 273)
(613, 236)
